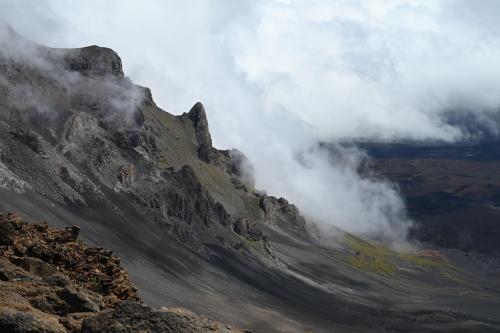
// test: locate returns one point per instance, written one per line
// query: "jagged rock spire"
(198, 117)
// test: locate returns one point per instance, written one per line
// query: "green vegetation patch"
(423, 263)
(381, 259)
(369, 257)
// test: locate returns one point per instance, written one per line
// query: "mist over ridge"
(278, 77)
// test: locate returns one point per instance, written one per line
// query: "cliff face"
(75, 130)
(81, 144)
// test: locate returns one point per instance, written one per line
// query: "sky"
(278, 76)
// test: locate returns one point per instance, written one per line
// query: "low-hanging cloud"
(277, 77)
(58, 88)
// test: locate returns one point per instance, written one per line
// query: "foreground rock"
(51, 282)
(44, 251)
(134, 317)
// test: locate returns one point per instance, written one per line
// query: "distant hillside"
(451, 190)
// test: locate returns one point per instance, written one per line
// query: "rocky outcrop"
(50, 282)
(281, 212)
(41, 250)
(248, 230)
(133, 317)
(31, 139)
(10, 181)
(127, 174)
(237, 165)
(231, 161)
(94, 60)
(18, 315)
(187, 210)
(240, 166)
(203, 139)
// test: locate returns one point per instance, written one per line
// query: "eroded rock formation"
(51, 282)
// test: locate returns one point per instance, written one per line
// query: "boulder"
(33, 266)
(18, 316)
(281, 212)
(134, 317)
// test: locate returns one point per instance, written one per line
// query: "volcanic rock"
(69, 284)
(134, 317)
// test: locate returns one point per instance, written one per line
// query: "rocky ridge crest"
(89, 134)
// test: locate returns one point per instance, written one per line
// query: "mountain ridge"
(82, 143)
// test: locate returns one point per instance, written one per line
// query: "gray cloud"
(276, 77)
